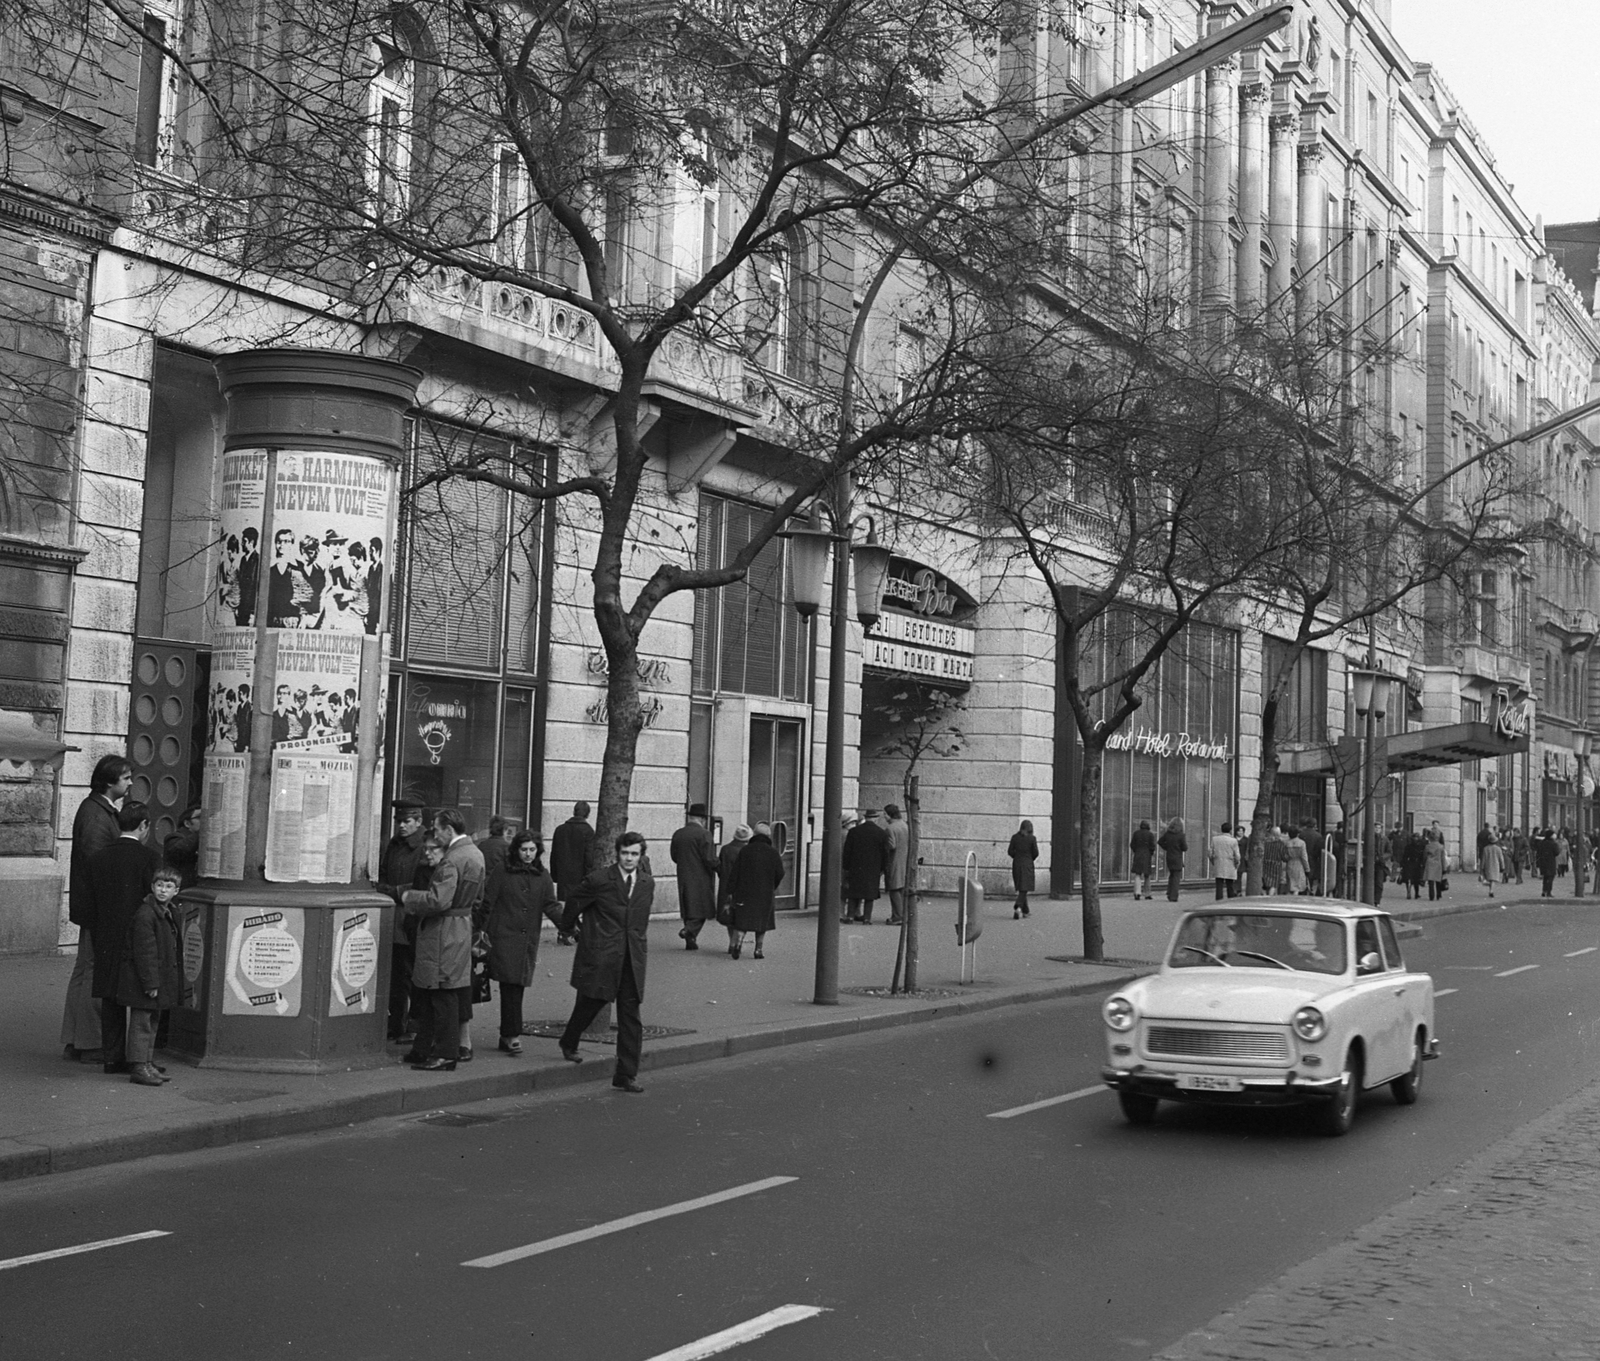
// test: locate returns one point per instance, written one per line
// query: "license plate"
(1206, 1082)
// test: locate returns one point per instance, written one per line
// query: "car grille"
(1259, 1045)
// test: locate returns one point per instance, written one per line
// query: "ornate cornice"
(64, 219)
(61, 554)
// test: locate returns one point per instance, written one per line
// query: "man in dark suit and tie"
(611, 913)
(119, 880)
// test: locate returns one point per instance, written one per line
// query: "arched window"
(391, 116)
(767, 330)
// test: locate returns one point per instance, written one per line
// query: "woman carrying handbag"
(522, 894)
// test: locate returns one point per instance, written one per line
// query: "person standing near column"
(899, 849)
(441, 973)
(93, 829)
(119, 880)
(610, 912)
(696, 859)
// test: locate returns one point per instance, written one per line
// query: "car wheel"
(1337, 1115)
(1138, 1108)
(1408, 1086)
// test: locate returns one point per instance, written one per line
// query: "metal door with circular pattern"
(166, 725)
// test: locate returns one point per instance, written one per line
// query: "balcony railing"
(547, 322)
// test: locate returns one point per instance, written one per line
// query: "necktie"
(627, 880)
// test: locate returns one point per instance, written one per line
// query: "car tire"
(1137, 1108)
(1408, 1086)
(1336, 1116)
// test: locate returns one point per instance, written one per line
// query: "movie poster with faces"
(238, 584)
(329, 558)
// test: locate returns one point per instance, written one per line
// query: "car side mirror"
(1369, 963)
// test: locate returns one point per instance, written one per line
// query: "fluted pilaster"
(1283, 128)
(1252, 195)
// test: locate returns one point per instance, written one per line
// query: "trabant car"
(1273, 1001)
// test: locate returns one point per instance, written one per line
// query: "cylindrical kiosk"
(285, 942)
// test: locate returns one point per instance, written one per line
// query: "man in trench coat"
(118, 880)
(610, 911)
(696, 859)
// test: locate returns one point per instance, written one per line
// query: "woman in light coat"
(1433, 865)
(1491, 861)
(1299, 863)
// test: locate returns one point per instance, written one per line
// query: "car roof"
(1298, 905)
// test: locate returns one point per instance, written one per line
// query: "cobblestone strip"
(1499, 1261)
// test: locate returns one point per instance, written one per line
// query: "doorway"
(774, 793)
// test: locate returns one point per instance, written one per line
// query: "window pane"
(448, 745)
(516, 751)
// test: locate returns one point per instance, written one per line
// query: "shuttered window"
(748, 638)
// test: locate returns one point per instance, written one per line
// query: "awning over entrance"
(1447, 746)
(1415, 750)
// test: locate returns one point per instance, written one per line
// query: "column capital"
(1254, 96)
(1310, 156)
(1282, 126)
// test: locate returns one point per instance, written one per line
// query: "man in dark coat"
(569, 856)
(868, 853)
(696, 859)
(612, 906)
(1546, 858)
(494, 848)
(396, 873)
(119, 879)
(1142, 861)
(93, 829)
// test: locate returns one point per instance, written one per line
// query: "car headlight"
(1309, 1023)
(1119, 1013)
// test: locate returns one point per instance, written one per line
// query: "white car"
(1273, 1001)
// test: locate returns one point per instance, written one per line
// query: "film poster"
(244, 493)
(330, 550)
(353, 965)
(266, 952)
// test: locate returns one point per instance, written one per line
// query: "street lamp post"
(1583, 743)
(812, 547)
(1371, 689)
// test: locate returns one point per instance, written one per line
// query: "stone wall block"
(100, 657)
(120, 349)
(97, 709)
(107, 606)
(111, 501)
(118, 400)
(113, 449)
(113, 553)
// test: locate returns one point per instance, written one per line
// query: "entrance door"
(774, 792)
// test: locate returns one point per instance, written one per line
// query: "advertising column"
(287, 956)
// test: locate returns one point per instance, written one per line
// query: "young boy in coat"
(150, 980)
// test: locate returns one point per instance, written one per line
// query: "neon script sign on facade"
(1149, 742)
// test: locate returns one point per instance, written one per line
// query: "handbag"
(725, 912)
(480, 968)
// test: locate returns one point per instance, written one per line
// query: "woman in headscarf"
(754, 890)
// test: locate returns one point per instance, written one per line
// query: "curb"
(21, 1158)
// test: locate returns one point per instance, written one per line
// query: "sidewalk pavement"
(56, 1116)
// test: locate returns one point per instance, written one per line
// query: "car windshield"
(1244, 940)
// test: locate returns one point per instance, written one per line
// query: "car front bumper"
(1262, 1089)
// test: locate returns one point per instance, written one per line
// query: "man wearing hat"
(696, 859)
(867, 853)
(726, 860)
(398, 869)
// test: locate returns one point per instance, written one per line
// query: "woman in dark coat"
(1143, 846)
(1023, 850)
(522, 894)
(1413, 858)
(756, 876)
(727, 858)
(1175, 844)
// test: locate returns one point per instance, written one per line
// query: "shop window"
(748, 637)
(448, 738)
(516, 753)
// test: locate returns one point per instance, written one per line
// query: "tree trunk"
(1089, 790)
(1261, 818)
(913, 848)
(624, 720)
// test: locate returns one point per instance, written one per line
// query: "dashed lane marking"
(1048, 1101)
(1521, 968)
(633, 1221)
(741, 1333)
(50, 1256)
(1445, 992)
(1587, 950)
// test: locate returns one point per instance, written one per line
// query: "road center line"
(50, 1256)
(1587, 950)
(1048, 1101)
(1521, 968)
(741, 1333)
(1445, 992)
(566, 1240)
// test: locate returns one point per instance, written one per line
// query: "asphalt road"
(914, 1225)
